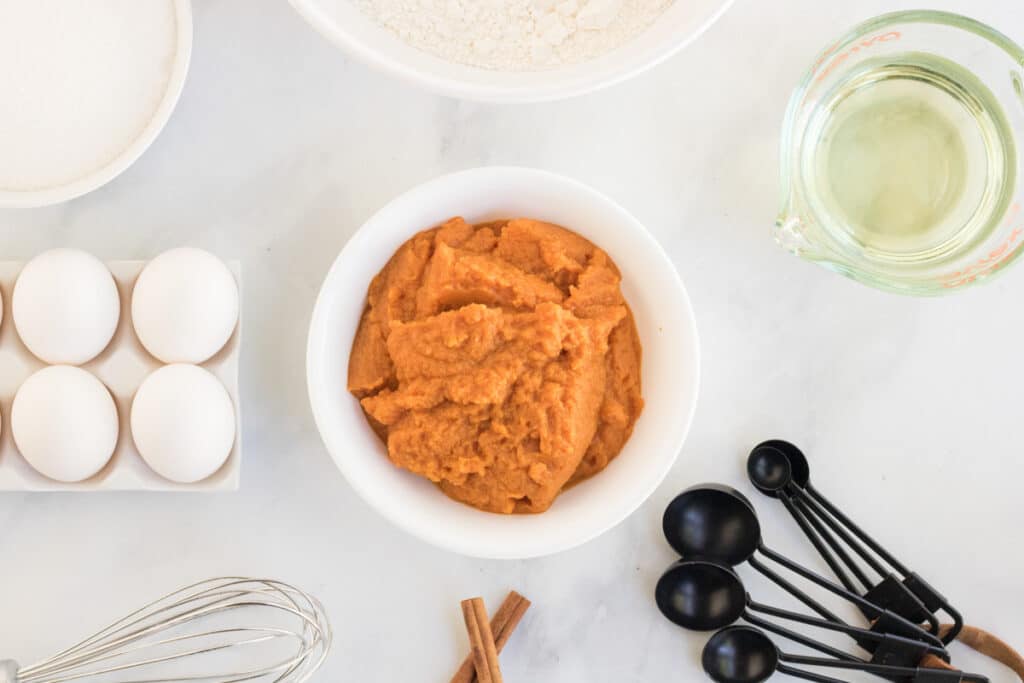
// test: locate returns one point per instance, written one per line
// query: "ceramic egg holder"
(122, 367)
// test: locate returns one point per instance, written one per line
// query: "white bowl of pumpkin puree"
(503, 362)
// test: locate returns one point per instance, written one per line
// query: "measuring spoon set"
(715, 528)
(780, 470)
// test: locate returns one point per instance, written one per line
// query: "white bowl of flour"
(512, 50)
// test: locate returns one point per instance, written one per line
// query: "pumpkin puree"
(499, 360)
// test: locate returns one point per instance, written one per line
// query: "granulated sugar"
(515, 35)
(80, 81)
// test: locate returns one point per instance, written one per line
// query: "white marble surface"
(279, 149)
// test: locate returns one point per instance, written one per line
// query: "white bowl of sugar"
(86, 87)
(512, 50)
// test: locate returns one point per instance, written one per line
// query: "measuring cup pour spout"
(795, 229)
(790, 233)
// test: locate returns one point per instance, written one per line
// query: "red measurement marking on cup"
(863, 44)
(994, 260)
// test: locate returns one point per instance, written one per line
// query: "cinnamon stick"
(481, 641)
(517, 614)
(503, 624)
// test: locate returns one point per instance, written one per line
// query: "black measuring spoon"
(716, 522)
(779, 469)
(700, 595)
(771, 473)
(741, 654)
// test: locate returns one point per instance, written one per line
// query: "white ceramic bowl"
(177, 69)
(346, 26)
(664, 321)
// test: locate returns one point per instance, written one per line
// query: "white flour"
(515, 35)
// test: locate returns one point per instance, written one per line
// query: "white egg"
(65, 306)
(183, 423)
(185, 306)
(64, 422)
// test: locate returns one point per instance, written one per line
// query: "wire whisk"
(222, 630)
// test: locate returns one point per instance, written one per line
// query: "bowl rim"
(335, 440)
(99, 177)
(352, 44)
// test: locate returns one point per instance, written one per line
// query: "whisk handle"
(8, 671)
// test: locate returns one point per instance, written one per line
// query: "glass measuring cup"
(900, 167)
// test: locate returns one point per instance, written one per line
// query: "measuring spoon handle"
(905, 627)
(785, 585)
(913, 674)
(807, 675)
(798, 638)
